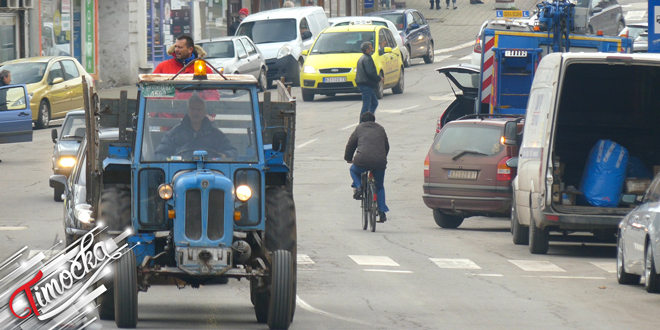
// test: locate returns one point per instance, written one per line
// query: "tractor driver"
(195, 132)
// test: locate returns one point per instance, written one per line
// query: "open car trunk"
(620, 103)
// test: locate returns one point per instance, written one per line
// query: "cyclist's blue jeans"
(369, 99)
(379, 176)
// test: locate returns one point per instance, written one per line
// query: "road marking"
(349, 126)
(536, 266)
(451, 49)
(305, 144)
(441, 58)
(9, 228)
(388, 271)
(466, 58)
(304, 305)
(485, 275)
(635, 15)
(400, 110)
(448, 97)
(304, 259)
(455, 263)
(567, 277)
(374, 261)
(607, 266)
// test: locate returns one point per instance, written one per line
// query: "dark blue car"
(414, 31)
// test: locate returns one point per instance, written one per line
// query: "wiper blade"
(467, 152)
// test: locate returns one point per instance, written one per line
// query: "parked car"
(53, 45)
(414, 29)
(468, 170)
(330, 66)
(281, 35)
(638, 248)
(54, 85)
(592, 16)
(357, 20)
(466, 77)
(641, 44)
(237, 55)
(77, 213)
(633, 31)
(66, 146)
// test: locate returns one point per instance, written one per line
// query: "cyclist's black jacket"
(370, 140)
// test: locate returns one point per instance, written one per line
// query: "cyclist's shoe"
(381, 216)
(357, 193)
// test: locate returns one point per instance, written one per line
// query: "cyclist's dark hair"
(367, 116)
(189, 41)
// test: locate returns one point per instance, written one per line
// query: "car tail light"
(426, 167)
(552, 217)
(438, 127)
(503, 171)
(477, 46)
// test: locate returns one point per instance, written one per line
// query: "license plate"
(515, 53)
(334, 79)
(462, 175)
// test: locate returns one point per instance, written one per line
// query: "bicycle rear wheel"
(365, 205)
(373, 207)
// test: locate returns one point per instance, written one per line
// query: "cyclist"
(367, 150)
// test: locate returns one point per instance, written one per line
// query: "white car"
(237, 55)
(370, 20)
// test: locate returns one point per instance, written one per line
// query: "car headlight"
(83, 213)
(30, 96)
(309, 69)
(284, 51)
(165, 191)
(67, 161)
(19, 102)
(243, 193)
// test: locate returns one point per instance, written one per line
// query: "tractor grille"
(335, 70)
(194, 214)
(216, 221)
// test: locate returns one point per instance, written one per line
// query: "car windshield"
(341, 42)
(397, 19)
(73, 128)
(361, 23)
(26, 73)
(274, 30)
(472, 139)
(218, 49)
(182, 120)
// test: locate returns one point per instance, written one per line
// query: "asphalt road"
(409, 274)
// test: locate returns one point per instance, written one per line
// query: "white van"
(281, 35)
(576, 100)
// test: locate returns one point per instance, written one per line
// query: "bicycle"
(368, 201)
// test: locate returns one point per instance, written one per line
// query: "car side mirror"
(306, 35)
(53, 135)
(57, 80)
(387, 49)
(279, 141)
(630, 199)
(511, 133)
(58, 181)
(242, 56)
(512, 162)
(596, 10)
(414, 26)
(305, 52)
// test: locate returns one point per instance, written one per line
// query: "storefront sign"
(368, 3)
(90, 36)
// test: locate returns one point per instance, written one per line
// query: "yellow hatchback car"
(54, 85)
(331, 62)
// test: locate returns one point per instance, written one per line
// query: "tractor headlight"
(67, 161)
(309, 69)
(83, 213)
(243, 193)
(165, 191)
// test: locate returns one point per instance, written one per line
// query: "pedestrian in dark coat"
(367, 150)
(242, 14)
(367, 79)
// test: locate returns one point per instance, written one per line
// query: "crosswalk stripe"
(448, 97)
(466, 58)
(536, 266)
(389, 271)
(455, 263)
(11, 228)
(364, 260)
(609, 267)
(441, 58)
(304, 259)
(635, 15)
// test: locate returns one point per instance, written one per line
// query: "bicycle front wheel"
(373, 206)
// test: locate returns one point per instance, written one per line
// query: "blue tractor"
(201, 172)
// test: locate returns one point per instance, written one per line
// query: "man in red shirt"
(184, 52)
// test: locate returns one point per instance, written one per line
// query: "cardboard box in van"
(576, 100)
